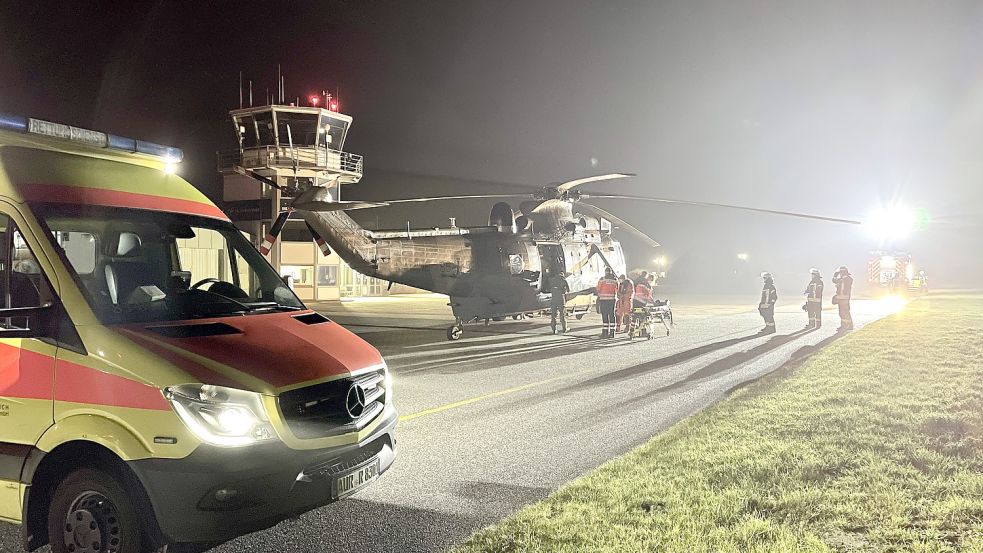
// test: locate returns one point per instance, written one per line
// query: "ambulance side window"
(21, 282)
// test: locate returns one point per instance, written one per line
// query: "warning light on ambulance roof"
(889, 223)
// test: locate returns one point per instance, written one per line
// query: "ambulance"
(160, 384)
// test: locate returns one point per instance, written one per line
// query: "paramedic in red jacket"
(626, 293)
(607, 291)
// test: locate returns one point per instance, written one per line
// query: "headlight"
(221, 416)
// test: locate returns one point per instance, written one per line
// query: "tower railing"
(279, 157)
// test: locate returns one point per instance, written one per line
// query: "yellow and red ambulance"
(159, 383)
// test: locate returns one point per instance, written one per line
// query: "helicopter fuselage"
(487, 272)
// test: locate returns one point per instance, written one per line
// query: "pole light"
(743, 256)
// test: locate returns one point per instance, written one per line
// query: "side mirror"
(25, 322)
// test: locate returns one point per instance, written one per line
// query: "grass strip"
(873, 444)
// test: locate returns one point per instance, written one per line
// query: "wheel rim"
(92, 525)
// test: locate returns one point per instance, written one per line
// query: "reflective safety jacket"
(769, 295)
(844, 287)
(626, 289)
(607, 288)
(643, 292)
(814, 292)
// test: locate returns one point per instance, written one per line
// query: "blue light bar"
(13, 122)
(85, 136)
(121, 143)
(167, 152)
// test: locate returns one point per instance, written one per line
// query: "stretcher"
(644, 319)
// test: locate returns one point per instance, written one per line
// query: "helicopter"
(488, 272)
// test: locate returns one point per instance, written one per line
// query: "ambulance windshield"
(143, 266)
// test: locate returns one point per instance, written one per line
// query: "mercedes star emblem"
(355, 401)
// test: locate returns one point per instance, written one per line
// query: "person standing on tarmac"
(557, 286)
(844, 288)
(626, 293)
(814, 299)
(769, 297)
(643, 291)
(607, 291)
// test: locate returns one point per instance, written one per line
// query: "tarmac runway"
(509, 412)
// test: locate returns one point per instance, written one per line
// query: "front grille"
(318, 411)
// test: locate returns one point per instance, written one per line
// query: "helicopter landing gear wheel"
(454, 332)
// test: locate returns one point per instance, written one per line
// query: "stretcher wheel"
(578, 316)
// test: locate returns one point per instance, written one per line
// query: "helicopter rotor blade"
(587, 195)
(256, 176)
(598, 212)
(322, 206)
(470, 197)
(275, 229)
(569, 185)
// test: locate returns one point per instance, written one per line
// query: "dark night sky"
(818, 107)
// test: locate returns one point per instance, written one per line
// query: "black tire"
(454, 333)
(109, 521)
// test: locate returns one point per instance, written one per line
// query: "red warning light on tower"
(334, 106)
(314, 100)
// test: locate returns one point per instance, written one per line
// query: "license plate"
(354, 480)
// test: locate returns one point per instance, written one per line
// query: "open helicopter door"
(551, 259)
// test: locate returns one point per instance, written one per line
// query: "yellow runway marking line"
(476, 399)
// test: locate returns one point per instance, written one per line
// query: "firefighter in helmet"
(844, 288)
(814, 299)
(607, 291)
(769, 297)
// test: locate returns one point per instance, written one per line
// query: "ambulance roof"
(42, 162)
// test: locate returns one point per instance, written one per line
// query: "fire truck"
(893, 272)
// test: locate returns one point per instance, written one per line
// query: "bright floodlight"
(892, 304)
(743, 256)
(890, 223)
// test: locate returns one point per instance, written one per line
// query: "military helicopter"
(494, 271)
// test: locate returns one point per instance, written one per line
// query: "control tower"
(295, 147)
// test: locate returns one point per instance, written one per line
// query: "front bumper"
(216, 494)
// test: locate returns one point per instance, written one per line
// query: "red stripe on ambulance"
(25, 374)
(78, 384)
(64, 194)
